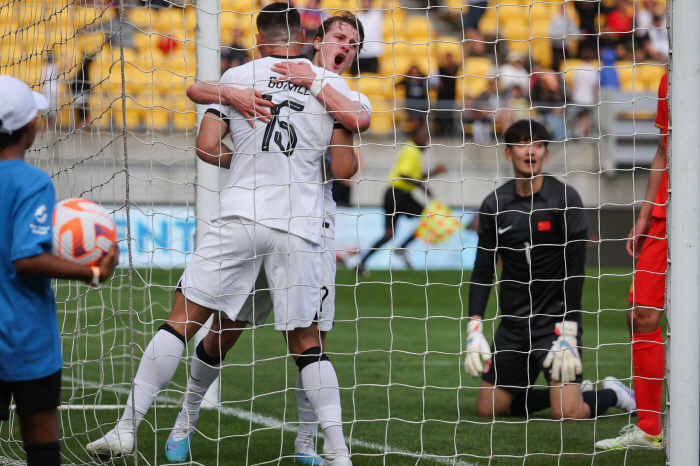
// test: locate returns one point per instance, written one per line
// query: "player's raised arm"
(344, 162)
(210, 147)
(348, 113)
(248, 102)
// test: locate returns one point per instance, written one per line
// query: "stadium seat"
(651, 75)
(626, 75)
(184, 116)
(478, 66)
(142, 18)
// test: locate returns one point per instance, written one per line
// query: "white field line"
(267, 421)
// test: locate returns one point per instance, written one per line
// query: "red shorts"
(649, 283)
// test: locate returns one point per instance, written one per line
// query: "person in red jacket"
(647, 244)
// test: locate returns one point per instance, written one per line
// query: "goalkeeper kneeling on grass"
(538, 227)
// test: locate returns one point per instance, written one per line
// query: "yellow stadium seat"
(541, 50)
(478, 67)
(541, 28)
(651, 75)
(627, 75)
(540, 11)
(101, 110)
(155, 112)
(142, 18)
(184, 116)
(488, 25)
(375, 86)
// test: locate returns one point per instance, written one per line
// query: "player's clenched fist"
(563, 356)
(477, 348)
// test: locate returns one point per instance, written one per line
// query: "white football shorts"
(224, 269)
(259, 303)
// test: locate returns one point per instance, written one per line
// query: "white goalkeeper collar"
(18, 104)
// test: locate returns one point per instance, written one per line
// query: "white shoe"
(587, 386)
(112, 444)
(336, 458)
(626, 400)
(632, 437)
(337, 461)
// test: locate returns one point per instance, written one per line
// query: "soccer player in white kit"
(336, 44)
(269, 216)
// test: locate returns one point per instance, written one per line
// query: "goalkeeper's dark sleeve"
(575, 253)
(485, 264)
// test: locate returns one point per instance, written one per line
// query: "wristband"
(95, 276)
(316, 87)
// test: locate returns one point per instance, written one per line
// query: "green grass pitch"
(396, 347)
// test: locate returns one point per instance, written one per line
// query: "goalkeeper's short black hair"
(279, 23)
(526, 130)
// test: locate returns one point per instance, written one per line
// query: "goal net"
(121, 131)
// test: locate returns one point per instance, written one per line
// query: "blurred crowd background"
(468, 67)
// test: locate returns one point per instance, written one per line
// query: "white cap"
(18, 104)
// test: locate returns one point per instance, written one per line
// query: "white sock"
(156, 369)
(321, 386)
(304, 443)
(202, 375)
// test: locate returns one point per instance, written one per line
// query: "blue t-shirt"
(30, 347)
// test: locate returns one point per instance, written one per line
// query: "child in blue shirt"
(30, 348)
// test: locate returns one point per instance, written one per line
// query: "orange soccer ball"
(83, 231)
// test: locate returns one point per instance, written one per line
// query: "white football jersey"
(275, 177)
(328, 201)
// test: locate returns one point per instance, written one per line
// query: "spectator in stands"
(80, 87)
(618, 30)
(644, 17)
(312, 17)
(474, 41)
(373, 21)
(588, 21)
(564, 35)
(446, 96)
(481, 113)
(416, 85)
(655, 43)
(513, 73)
(234, 54)
(517, 107)
(548, 99)
(49, 89)
(581, 114)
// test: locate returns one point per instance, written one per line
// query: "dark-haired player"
(30, 346)
(647, 244)
(269, 217)
(538, 227)
(335, 44)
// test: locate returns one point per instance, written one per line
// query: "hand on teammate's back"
(300, 73)
(109, 262)
(249, 103)
(637, 236)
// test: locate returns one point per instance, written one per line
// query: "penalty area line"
(265, 421)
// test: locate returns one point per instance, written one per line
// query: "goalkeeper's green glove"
(563, 356)
(477, 348)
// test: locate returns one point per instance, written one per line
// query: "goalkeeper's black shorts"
(31, 396)
(518, 357)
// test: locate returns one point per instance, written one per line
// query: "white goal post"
(684, 235)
